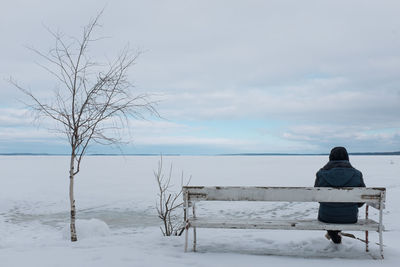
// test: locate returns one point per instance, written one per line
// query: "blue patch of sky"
(240, 130)
(185, 149)
(36, 147)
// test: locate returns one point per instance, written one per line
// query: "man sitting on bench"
(338, 172)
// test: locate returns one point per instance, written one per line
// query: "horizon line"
(393, 153)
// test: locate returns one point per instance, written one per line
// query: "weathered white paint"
(287, 194)
(361, 225)
(381, 227)
(186, 217)
(374, 197)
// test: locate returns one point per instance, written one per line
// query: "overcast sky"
(231, 76)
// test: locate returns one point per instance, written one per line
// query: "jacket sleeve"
(362, 184)
(316, 182)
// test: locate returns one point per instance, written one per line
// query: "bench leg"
(381, 226)
(194, 239)
(194, 228)
(186, 236)
(381, 241)
(186, 218)
(366, 232)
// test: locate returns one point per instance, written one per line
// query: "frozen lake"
(122, 192)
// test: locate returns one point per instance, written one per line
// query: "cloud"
(327, 72)
(315, 100)
(180, 134)
(358, 139)
(13, 117)
(189, 140)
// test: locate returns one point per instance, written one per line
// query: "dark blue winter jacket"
(339, 174)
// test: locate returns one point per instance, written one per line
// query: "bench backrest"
(374, 196)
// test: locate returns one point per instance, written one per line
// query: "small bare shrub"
(168, 202)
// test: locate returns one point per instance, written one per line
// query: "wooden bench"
(374, 197)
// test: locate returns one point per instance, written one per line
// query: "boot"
(334, 236)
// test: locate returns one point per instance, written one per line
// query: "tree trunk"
(71, 198)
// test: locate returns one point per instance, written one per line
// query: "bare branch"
(94, 100)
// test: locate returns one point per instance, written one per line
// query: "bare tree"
(168, 202)
(93, 101)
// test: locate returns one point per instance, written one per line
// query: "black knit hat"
(338, 153)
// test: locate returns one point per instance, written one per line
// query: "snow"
(92, 228)
(117, 223)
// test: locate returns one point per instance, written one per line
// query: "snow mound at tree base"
(87, 229)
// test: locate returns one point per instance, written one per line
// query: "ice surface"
(117, 223)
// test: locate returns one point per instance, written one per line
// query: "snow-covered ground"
(117, 223)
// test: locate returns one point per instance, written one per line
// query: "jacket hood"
(338, 153)
(338, 173)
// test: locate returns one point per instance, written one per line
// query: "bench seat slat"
(312, 224)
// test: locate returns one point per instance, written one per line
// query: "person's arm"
(316, 182)
(362, 184)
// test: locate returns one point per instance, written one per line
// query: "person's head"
(338, 153)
